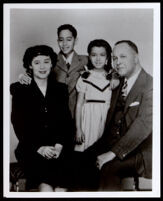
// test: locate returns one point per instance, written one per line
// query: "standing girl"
(94, 94)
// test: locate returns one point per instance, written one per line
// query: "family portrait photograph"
(81, 100)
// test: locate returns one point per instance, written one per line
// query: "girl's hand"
(80, 137)
(114, 82)
(47, 151)
(24, 79)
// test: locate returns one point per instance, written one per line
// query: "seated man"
(125, 149)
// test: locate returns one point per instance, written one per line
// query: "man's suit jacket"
(138, 118)
(70, 76)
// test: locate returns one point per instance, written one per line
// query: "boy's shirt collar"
(69, 58)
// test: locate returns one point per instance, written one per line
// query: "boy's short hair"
(67, 27)
(130, 43)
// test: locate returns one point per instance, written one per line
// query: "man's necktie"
(124, 89)
(68, 66)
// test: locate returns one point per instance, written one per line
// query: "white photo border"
(156, 101)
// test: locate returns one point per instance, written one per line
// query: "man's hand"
(104, 158)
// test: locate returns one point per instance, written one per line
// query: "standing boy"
(69, 64)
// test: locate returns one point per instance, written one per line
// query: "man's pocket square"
(134, 104)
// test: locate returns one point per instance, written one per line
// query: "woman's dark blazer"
(38, 120)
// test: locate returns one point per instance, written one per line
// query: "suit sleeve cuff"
(119, 152)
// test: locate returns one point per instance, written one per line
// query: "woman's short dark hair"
(35, 51)
(100, 43)
(67, 27)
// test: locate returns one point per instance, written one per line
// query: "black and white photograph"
(81, 94)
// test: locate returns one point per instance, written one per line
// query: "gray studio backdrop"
(30, 27)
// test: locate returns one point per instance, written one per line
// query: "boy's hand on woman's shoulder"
(24, 79)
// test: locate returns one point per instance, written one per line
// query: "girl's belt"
(95, 101)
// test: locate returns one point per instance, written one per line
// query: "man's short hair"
(130, 43)
(67, 27)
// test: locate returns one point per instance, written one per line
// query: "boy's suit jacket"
(70, 76)
(138, 118)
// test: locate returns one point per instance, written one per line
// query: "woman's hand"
(80, 137)
(24, 79)
(47, 151)
(57, 150)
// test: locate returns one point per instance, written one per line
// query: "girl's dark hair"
(35, 51)
(100, 43)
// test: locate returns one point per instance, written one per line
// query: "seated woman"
(41, 120)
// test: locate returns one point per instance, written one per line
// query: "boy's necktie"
(68, 66)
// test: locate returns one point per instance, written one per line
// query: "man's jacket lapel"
(135, 90)
(115, 95)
